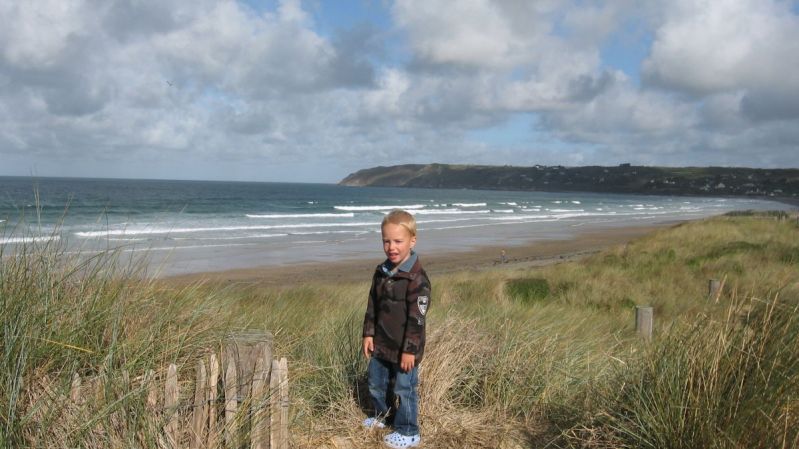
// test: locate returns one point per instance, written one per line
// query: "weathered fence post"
(279, 403)
(243, 349)
(213, 380)
(643, 321)
(241, 353)
(713, 290)
(260, 425)
(274, 406)
(231, 401)
(152, 391)
(171, 395)
(284, 404)
(200, 411)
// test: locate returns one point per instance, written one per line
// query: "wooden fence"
(644, 315)
(238, 399)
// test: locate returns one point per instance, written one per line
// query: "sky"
(310, 91)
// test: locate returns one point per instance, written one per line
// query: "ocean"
(197, 226)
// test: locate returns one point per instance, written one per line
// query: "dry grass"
(563, 370)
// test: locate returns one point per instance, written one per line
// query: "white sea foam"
(502, 211)
(175, 248)
(566, 210)
(9, 240)
(377, 208)
(157, 231)
(239, 237)
(348, 215)
(469, 204)
(444, 220)
(575, 202)
(520, 217)
(329, 232)
(448, 212)
(479, 225)
(510, 203)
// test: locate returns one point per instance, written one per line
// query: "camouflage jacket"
(395, 315)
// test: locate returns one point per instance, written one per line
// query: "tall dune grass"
(66, 314)
(710, 383)
(509, 363)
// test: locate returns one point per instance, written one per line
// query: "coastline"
(520, 256)
(352, 258)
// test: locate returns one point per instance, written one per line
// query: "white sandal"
(397, 440)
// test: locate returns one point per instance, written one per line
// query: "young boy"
(394, 329)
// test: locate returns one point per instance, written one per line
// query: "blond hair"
(401, 218)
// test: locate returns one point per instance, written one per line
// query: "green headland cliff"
(624, 178)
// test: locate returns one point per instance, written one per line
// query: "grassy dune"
(539, 357)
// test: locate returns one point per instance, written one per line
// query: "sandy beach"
(533, 253)
(352, 258)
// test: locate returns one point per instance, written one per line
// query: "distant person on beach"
(503, 258)
(394, 331)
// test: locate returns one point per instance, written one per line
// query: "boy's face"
(397, 243)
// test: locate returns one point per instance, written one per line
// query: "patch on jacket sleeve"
(422, 302)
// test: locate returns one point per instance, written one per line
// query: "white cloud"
(42, 34)
(472, 32)
(709, 46)
(217, 83)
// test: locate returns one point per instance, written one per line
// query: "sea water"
(204, 225)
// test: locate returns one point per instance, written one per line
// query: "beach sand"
(534, 253)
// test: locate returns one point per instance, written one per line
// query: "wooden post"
(200, 412)
(231, 401)
(260, 424)
(245, 347)
(284, 404)
(152, 391)
(74, 391)
(213, 381)
(713, 290)
(643, 321)
(171, 394)
(274, 406)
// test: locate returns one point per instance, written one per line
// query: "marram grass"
(64, 315)
(509, 363)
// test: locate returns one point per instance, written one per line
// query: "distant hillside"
(618, 179)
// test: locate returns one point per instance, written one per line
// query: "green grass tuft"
(529, 290)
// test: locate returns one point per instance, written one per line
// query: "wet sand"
(535, 253)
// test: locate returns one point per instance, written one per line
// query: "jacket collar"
(405, 268)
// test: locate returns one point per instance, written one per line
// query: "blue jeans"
(380, 373)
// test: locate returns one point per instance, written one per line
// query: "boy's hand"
(368, 346)
(407, 362)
